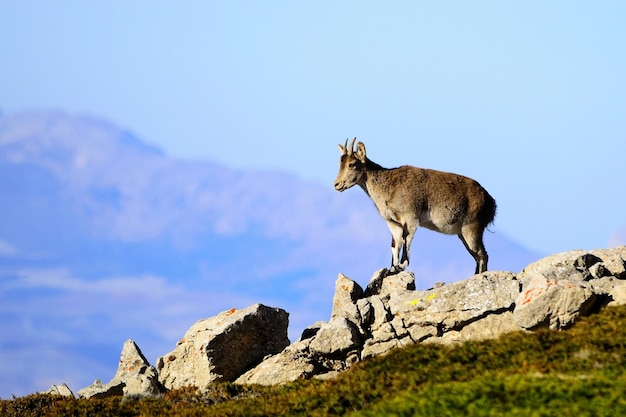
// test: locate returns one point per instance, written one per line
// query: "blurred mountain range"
(105, 238)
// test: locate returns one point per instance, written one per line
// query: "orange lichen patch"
(534, 292)
(530, 294)
(231, 311)
(130, 367)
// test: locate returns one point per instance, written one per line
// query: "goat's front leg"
(398, 243)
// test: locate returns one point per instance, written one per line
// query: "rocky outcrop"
(389, 313)
(221, 348)
(250, 346)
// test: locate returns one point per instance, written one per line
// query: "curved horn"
(351, 148)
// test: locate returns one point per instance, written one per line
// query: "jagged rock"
(291, 364)
(612, 290)
(378, 312)
(324, 349)
(382, 283)
(62, 390)
(139, 377)
(488, 327)
(225, 346)
(311, 330)
(134, 377)
(301, 361)
(388, 336)
(552, 302)
(336, 337)
(613, 263)
(559, 288)
(347, 292)
(610, 274)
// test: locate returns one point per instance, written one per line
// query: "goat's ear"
(360, 152)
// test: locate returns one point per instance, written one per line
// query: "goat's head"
(351, 165)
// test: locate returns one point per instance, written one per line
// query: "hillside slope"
(580, 371)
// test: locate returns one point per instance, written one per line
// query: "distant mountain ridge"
(92, 217)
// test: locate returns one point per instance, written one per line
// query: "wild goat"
(408, 197)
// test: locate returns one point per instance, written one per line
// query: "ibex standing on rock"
(408, 197)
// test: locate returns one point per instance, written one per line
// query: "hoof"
(395, 269)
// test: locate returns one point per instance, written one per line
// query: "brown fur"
(408, 197)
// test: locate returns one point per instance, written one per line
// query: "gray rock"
(291, 364)
(453, 306)
(345, 301)
(559, 288)
(139, 377)
(560, 266)
(311, 330)
(580, 265)
(382, 283)
(223, 347)
(328, 348)
(489, 327)
(602, 263)
(347, 292)
(379, 313)
(335, 338)
(388, 336)
(134, 377)
(100, 390)
(62, 390)
(611, 289)
(443, 314)
(551, 302)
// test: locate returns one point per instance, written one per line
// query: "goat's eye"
(352, 165)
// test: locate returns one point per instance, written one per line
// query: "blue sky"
(529, 98)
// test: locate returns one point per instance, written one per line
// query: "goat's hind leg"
(408, 232)
(472, 238)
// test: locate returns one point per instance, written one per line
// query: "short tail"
(489, 211)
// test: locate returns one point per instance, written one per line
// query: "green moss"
(581, 371)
